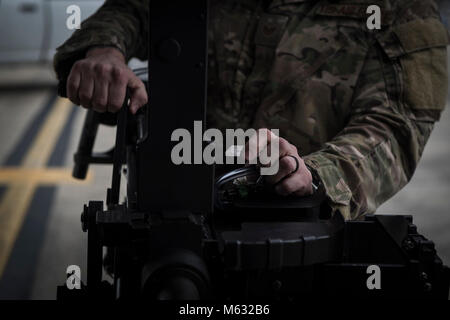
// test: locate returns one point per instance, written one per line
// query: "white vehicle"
(31, 30)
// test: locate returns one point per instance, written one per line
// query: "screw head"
(169, 50)
(408, 245)
(427, 287)
(424, 276)
(276, 285)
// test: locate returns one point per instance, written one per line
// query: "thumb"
(138, 94)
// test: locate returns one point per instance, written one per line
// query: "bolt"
(427, 287)
(408, 245)
(276, 285)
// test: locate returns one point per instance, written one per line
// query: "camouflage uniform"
(359, 104)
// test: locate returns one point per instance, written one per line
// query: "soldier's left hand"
(293, 177)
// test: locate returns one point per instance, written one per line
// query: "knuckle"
(115, 105)
(85, 65)
(284, 145)
(118, 73)
(284, 164)
(71, 86)
(113, 110)
(99, 102)
(289, 164)
(77, 66)
(294, 149)
(102, 69)
(85, 97)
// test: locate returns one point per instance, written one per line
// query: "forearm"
(370, 162)
(377, 152)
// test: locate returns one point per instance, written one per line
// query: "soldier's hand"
(100, 81)
(293, 177)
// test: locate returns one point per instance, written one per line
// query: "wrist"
(316, 181)
(101, 51)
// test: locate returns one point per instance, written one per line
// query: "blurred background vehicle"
(32, 29)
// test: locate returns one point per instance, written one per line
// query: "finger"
(86, 89)
(290, 185)
(287, 149)
(100, 95)
(138, 94)
(73, 84)
(304, 190)
(258, 143)
(306, 177)
(277, 149)
(287, 166)
(281, 147)
(116, 95)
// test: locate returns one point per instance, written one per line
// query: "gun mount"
(177, 237)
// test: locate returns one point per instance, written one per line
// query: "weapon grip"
(87, 140)
(62, 88)
(119, 153)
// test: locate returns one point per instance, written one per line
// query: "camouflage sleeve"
(400, 94)
(122, 24)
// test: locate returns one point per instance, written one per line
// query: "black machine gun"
(183, 234)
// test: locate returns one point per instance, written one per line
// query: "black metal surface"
(87, 140)
(277, 245)
(177, 86)
(119, 155)
(85, 155)
(95, 248)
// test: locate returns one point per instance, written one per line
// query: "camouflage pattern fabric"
(359, 104)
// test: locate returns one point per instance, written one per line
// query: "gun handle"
(86, 145)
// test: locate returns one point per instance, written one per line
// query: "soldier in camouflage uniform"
(359, 105)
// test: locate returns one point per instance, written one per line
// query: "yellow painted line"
(17, 198)
(47, 137)
(41, 176)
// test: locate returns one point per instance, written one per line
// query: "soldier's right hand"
(99, 82)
